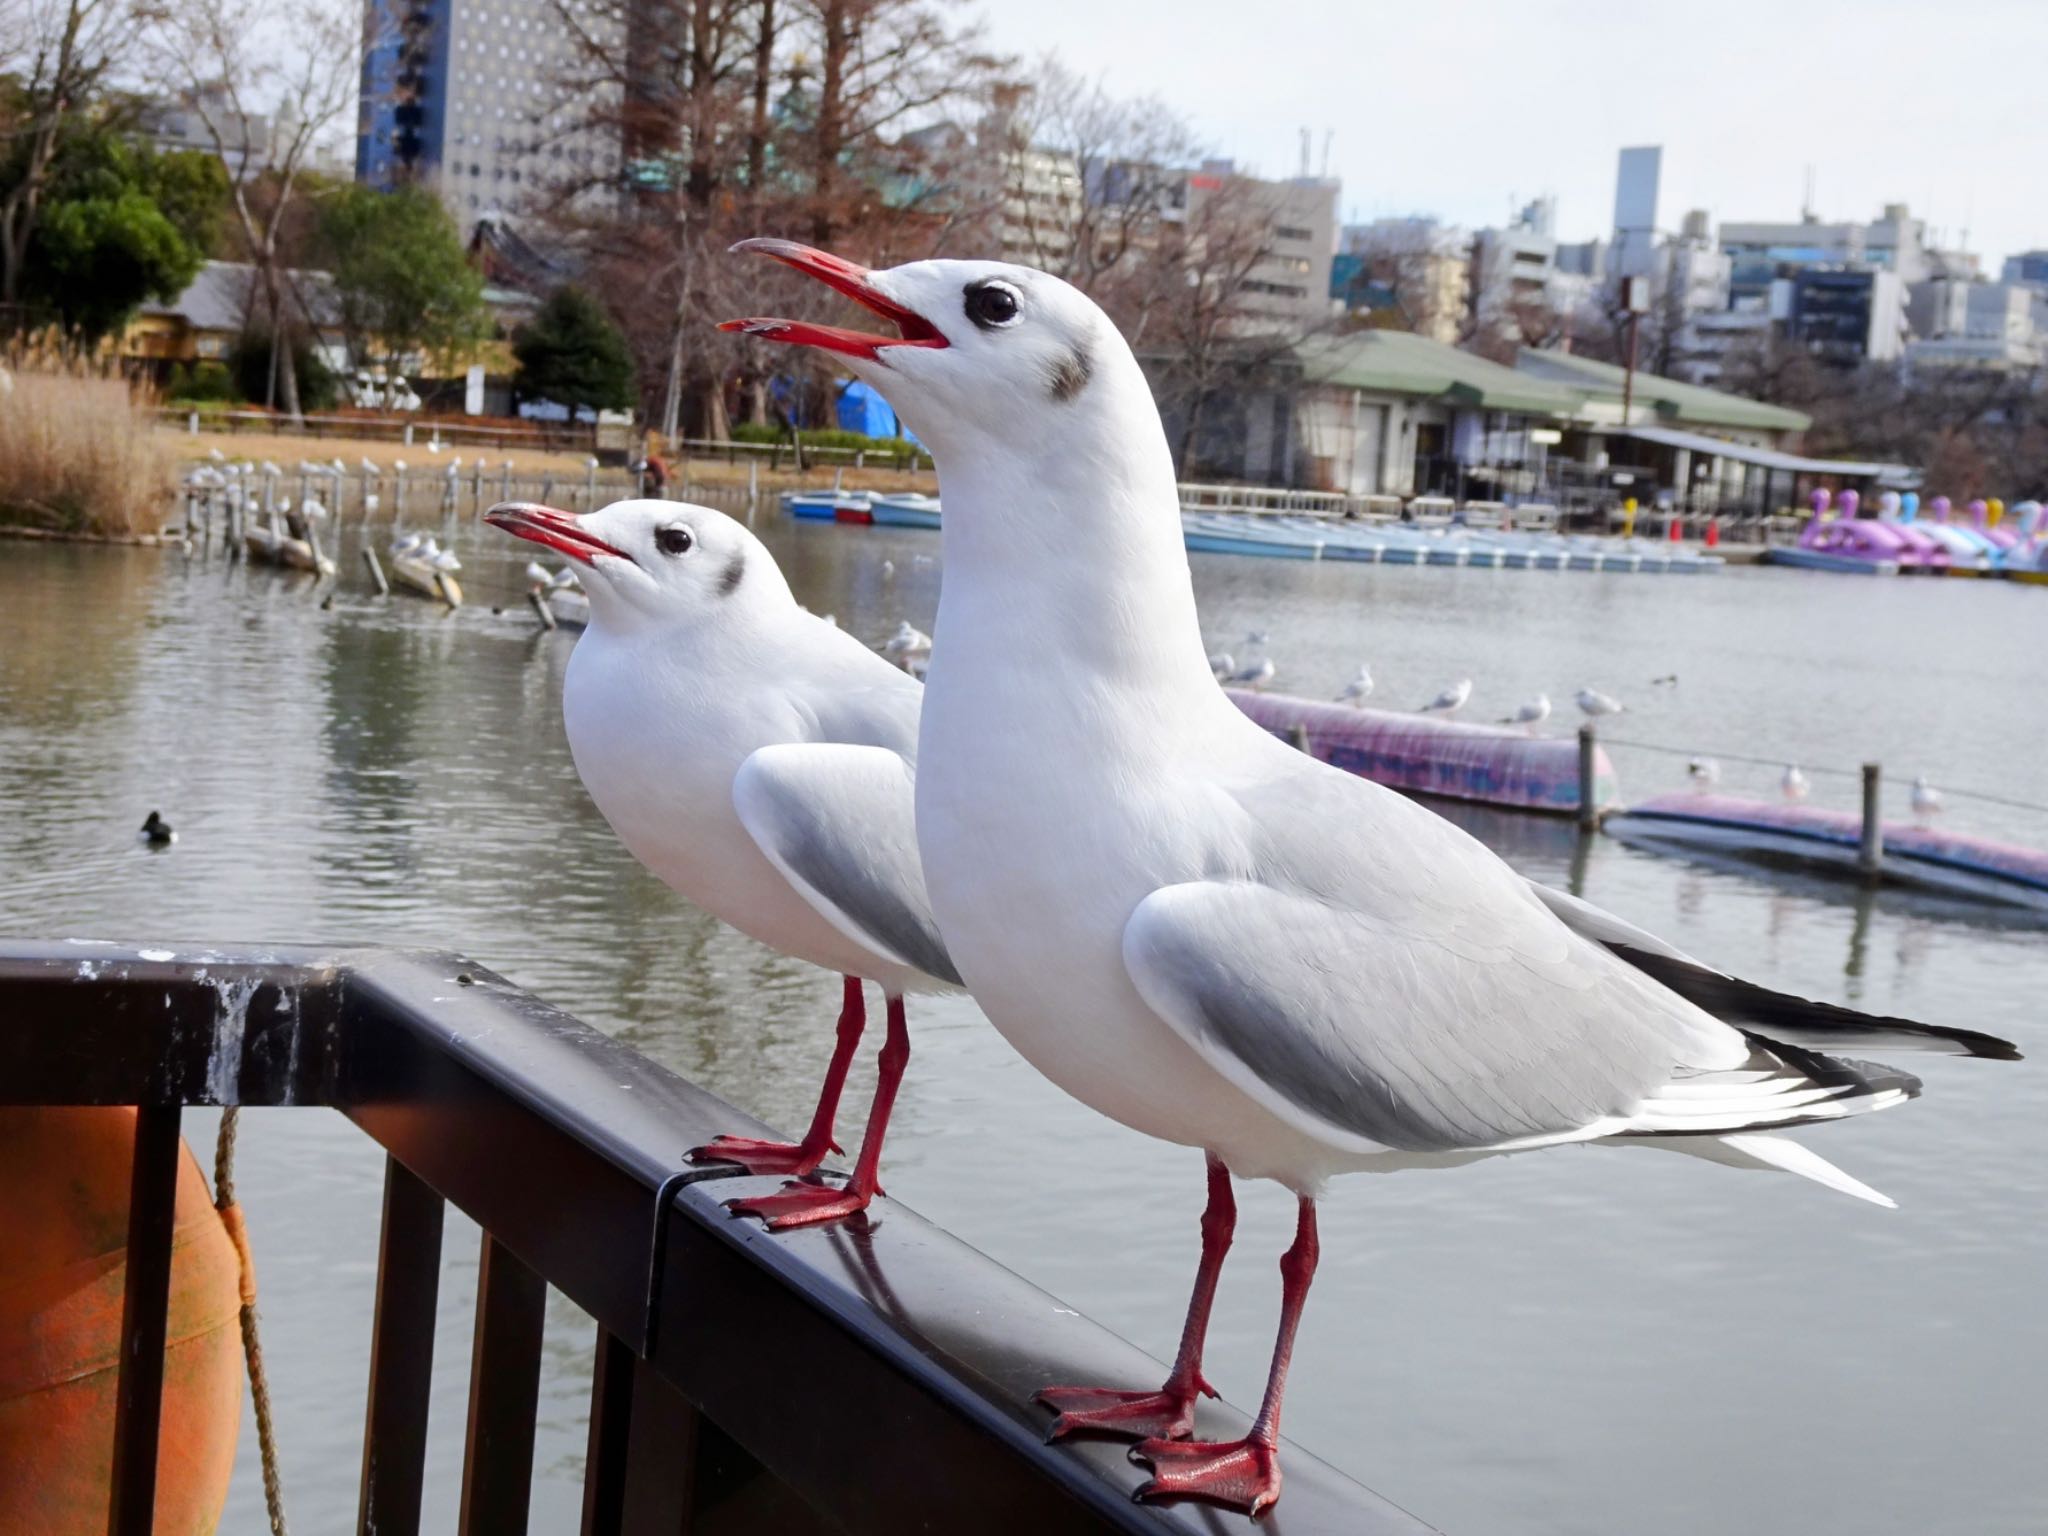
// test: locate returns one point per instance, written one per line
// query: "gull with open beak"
(759, 761)
(1221, 941)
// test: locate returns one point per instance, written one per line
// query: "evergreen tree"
(572, 354)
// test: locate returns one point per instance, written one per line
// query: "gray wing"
(1381, 980)
(838, 822)
(857, 697)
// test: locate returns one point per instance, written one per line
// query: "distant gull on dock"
(1255, 676)
(1704, 772)
(1533, 712)
(1926, 799)
(1794, 785)
(1451, 700)
(1594, 703)
(1253, 953)
(1359, 689)
(1222, 665)
(759, 761)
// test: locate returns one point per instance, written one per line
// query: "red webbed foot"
(789, 1157)
(1168, 1414)
(802, 1205)
(1238, 1474)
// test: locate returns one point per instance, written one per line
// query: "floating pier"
(1427, 755)
(1901, 853)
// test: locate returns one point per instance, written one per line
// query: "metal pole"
(1628, 381)
(1870, 852)
(1589, 804)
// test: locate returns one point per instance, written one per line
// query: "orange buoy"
(63, 1263)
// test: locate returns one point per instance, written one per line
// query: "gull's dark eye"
(674, 541)
(992, 305)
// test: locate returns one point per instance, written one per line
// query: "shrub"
(821, 437)
(202, 381)
(79, 455)
(249, 362)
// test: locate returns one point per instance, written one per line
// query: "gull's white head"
(654, 563)
(987, 355)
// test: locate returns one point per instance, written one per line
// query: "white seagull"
(1704, 772)
(1255, 676)
(758, 761)
(1451, 700)
(1794, 785)
(1533, 712)
(1926, 799)
(1359, 689)
(1593, 703)
(1221, 665)
(907, 644)
(1216, 939)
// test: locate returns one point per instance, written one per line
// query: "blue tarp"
(861, 409)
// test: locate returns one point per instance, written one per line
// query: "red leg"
(1242, 1474)
(803, 1205)
(1168, 1413)
(757, 1156)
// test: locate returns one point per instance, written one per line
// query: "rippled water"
(1580, 1341)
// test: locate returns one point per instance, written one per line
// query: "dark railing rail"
(874, 1376)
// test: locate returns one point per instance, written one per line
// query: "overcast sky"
(1455, 107)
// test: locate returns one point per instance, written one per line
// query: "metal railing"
(874, 1376)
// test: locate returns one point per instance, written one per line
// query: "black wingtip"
(1764, 1011)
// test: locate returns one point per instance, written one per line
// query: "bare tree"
(1129, 157)
(880, 65)
(228, 55)
(60, 52)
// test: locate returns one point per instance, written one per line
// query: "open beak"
(851, 279)
(560, 531)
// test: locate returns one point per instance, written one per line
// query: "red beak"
(851, 279)
(560, 531)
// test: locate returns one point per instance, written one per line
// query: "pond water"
(1577, 1341)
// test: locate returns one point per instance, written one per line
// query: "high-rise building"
(1635, 210)
(472, 99)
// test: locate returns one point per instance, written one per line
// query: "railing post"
(504, 1395)
(1589, 803)
(1297, 737)
(145, 1319)
(1870, 850)
(401, 1356)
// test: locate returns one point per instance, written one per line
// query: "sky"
(1468, 108)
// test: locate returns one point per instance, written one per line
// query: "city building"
(1848, 315)
(1517, 281)
(1635, 211)
(2029, 267)
(1982, 326)
(1291, 281)
(1416, 269)
(1011, 200)
(467, 97)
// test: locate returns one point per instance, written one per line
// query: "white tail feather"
(1792, 1157)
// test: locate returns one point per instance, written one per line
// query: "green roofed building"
(1391, 413)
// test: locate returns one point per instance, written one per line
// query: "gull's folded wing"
(837, 821)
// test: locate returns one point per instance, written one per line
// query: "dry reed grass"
(79, 453)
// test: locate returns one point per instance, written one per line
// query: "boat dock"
(1839, 842)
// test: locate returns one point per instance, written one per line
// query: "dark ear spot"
(735, 569)
(1070, 374)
